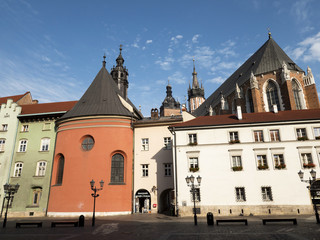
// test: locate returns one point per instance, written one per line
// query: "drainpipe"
(133, 154)
(172, 130)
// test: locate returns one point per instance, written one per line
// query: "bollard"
(81, 221)
(210, 218)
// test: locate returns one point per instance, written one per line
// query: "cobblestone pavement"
(161, 227)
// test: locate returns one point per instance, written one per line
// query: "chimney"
(239, 113)
(154, 113)
(275, 108)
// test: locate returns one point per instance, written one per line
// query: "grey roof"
(102, 98)
(266, 59)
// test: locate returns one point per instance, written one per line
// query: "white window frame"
(192, 138)
(145, 144)
(307, 160)
(145, 170)
(278, 159)
(2, 144)
(25, 128)
(167, 143)
(196, 195)
(168, 169)
(193, 162)
(301, 132)
(45, 145)
(316, 131)
(240, 194)
(18, 169)
(262, 161)
(273, 136)
(258, 136)
(4, 127)
(41, 168)
(266, 193)
(236, 161)
(234, 136)
(23, 143)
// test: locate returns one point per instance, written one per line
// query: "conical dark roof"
(102, 98)
(266, 59)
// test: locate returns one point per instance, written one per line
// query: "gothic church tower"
(196, 93)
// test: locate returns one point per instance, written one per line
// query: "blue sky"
(54, 49)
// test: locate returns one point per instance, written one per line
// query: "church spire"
(195, 83)
(120, 59)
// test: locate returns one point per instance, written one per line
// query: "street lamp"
(190, 183)
(95, 195)
(9, 191)
(312, 190)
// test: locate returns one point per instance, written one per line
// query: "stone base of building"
(86, 214)
(246, 210)
(26, 214)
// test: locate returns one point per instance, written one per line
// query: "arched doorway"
(142, 201)
(166, 203)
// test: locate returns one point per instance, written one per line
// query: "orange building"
(95, 141)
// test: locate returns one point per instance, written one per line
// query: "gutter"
(172, 130)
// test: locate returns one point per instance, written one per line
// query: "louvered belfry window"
(117, 169)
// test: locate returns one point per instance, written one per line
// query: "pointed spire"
(195, 83)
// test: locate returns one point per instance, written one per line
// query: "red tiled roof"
(47, 107)
(247, 118)
(14, 98)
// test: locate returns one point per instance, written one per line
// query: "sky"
(54, 49)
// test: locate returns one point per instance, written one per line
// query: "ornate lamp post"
(95, 195)
(9, 191)
(313, 189)
(190, 183)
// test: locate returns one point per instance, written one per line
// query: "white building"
(248, 162)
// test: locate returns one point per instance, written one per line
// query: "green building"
(33, 155)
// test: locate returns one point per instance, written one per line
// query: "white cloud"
(179, 37)
(216, 80)
(176, 39)
(300, 10)
(195, 38)
(148, 41)
(308, 49)
(166, 63)
(177, 77)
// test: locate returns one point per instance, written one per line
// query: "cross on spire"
(104, 60)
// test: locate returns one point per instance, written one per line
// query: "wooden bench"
(245, 221)
(19, 224)
(293, 220)
(74, 223)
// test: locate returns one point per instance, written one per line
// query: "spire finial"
(104, 60)
(120, 48)
(194, 66)
(269, 33)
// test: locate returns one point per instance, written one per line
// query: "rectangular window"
(307, 161)
(167, 142)
(193, 139)
(45, 143)
(301, 134)
(240, 194)
(193, 164)
(279, 161)
(236, 163)
(145, 170)
(2, 143)
(4, 127)
(46, 126)
(41, 168)
(262, 162)
(316, 132)
(168, 169)
(258, 136)
(23, 146)
(36, 196)
(18, 169)
(197, 196)
(234, 137)
(145, 144)
(266, 194)
(274, 135)
(25, 128)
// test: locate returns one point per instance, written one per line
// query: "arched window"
(272, 95)
(60, 170)
(297, 94)
(117, 169)
(17, 169)
(250, 106)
